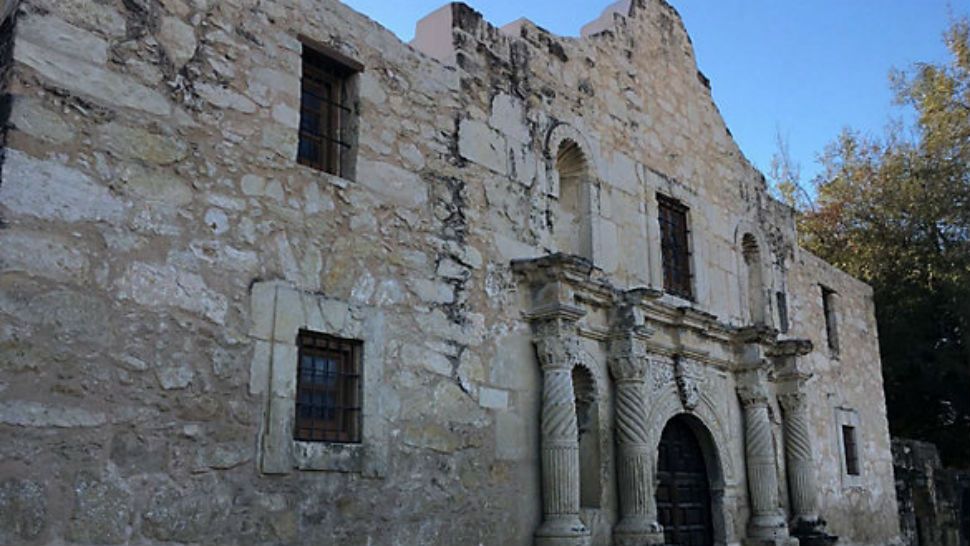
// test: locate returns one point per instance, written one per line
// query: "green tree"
(895, 212)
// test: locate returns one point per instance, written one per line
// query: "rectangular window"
(851, 450)
(674, 247)
(829, 309)
(782, 311)
(327, 113)
(328, 386)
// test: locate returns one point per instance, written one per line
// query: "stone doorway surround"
(664, 361)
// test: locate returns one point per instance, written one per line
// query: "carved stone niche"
(689, 375)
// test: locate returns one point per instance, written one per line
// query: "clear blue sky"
(804, 68)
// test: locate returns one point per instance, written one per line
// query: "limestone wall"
(161, 247)
(846, 389)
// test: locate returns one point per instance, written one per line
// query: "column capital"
(792, 401)
(753, 389)
(627, 358)
(556, 342)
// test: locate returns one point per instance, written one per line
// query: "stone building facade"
(270, 276)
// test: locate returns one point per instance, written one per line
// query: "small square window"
(851, 450)
(674, 247)
(327, 111)
(328, 383)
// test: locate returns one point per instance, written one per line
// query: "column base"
(768, 527)
(788, 541)
(637, 532)
(562, 531)
(811, 532)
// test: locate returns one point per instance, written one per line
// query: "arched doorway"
(683, 487)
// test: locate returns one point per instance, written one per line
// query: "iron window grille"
(325, 109)
(851, 450)
(674, 246)
(328, 389)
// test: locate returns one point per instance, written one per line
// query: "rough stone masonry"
(559, 305)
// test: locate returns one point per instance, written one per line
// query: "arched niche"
(571, 227)
(754, 277)
(571, 188)
(588, 425)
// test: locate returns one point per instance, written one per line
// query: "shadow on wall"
(934, 502)
(9, 19)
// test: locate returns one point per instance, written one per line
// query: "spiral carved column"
(638, 511)
(798, 455)
(767, 521)
(558, 351)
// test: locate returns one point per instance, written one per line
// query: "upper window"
(829, 309)
(674, 247)
(327, 389)
(782, 301)
(851, 447)
(328, 123)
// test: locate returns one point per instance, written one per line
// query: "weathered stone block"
(136, 143)
(479, 143)
(186, 516)
(55, 34)
(178, 40)
(102, 510)
(23, 510)
(30, 116)
(51, 190)
(43, 254)
(104, 86)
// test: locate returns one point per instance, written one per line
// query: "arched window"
(756, 290)
(572, 227)
(587, 419)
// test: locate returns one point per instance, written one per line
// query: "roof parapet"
(607, 19)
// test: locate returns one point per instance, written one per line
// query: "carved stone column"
(634, 467)
(558, 350)
(767, 524)
(807, 526)
(798, 456)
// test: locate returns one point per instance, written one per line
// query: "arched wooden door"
(683, 490)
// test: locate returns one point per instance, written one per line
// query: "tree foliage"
(895, 211)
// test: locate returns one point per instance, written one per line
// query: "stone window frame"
(279, 311)
(830, 318)
(346, 73)
(849, 417)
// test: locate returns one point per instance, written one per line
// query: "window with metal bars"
(328, 383)
(674, 246)
(851, 450)
(327, 110)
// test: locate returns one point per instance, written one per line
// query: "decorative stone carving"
(767, 520)
(662, 374)
(807, 526)
(688, 376)
(558, 350)
(638, 512)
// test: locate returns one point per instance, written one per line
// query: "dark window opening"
(674, 247)
(831, 320)
(851, 450)
(328, 389)
(327, 111)
(782, 300)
